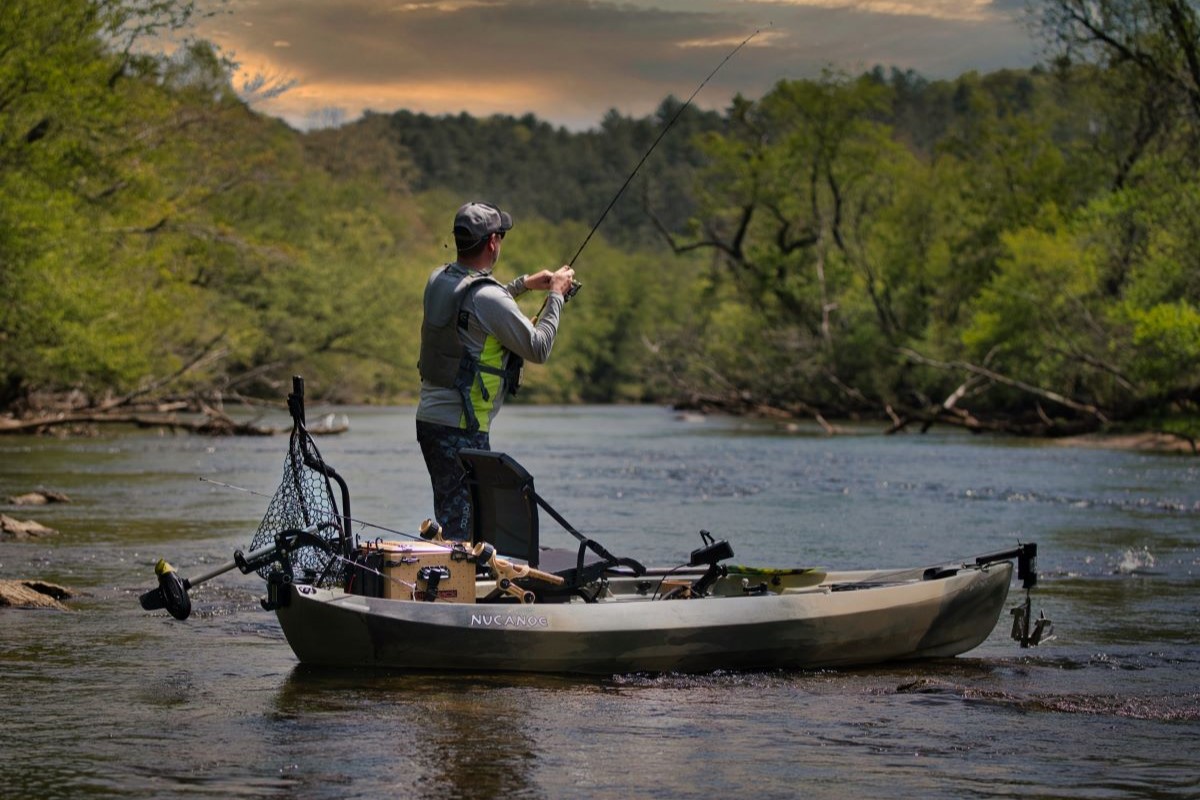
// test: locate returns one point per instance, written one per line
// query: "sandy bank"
(1147, 442)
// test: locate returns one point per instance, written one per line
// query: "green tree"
(1159, 39)
(796, 203)
(62, 95)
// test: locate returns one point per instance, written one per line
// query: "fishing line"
(412, 587)
(661, 134)
(235, 488)
(364, 523)
(576, 285)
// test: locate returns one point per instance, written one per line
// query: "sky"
(569, 62)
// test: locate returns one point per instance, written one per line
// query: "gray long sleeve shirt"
(496, 329)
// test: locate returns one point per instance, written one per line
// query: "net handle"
(312, 459)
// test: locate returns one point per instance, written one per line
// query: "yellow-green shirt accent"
(487, 391)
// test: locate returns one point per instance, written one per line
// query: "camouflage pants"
(451, 500)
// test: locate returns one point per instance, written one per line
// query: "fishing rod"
(575, 286)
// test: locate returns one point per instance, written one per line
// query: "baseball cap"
(475, 221)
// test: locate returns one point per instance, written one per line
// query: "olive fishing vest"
(445, 361)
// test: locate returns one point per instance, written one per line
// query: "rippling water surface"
(112, 701)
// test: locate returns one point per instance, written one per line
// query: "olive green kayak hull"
(805, 619)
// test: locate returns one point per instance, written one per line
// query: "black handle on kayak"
(1026, 556)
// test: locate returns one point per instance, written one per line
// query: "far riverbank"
(1146, 441)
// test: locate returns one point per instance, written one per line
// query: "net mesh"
(304, 498)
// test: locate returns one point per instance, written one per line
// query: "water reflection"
(440, 736)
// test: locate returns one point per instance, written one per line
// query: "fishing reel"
(574, 290)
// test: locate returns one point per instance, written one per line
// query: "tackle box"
(419, 564)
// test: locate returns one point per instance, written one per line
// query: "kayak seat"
(504, 513)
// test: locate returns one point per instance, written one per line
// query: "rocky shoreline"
(31, 593)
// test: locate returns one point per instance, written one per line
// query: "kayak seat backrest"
(503, 509)
(504, 513)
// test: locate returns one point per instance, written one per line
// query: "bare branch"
(1083, 408)
(207, 354)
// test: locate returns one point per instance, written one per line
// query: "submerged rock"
(39, 498)
(26, 529)
(33, 594)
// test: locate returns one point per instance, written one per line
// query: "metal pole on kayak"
(172, 590)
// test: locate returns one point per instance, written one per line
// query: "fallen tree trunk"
(991, 375)
(209, 421)
(214, 425)
(135, 409)
(1038, 427)
(898, 416)
(742, 404)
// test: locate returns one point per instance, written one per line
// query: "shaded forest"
(1014, 251)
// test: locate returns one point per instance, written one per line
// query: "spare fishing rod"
(575, 285)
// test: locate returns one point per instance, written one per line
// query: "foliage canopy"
(1019, 249)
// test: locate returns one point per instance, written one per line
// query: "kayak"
(808, 618)
(502, 602)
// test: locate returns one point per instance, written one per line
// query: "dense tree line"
(1018, 250)
(562, 176)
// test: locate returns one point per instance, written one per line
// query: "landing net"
(304, 498)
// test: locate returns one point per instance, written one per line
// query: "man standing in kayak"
(474, 341)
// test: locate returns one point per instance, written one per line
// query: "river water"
(112, 701)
